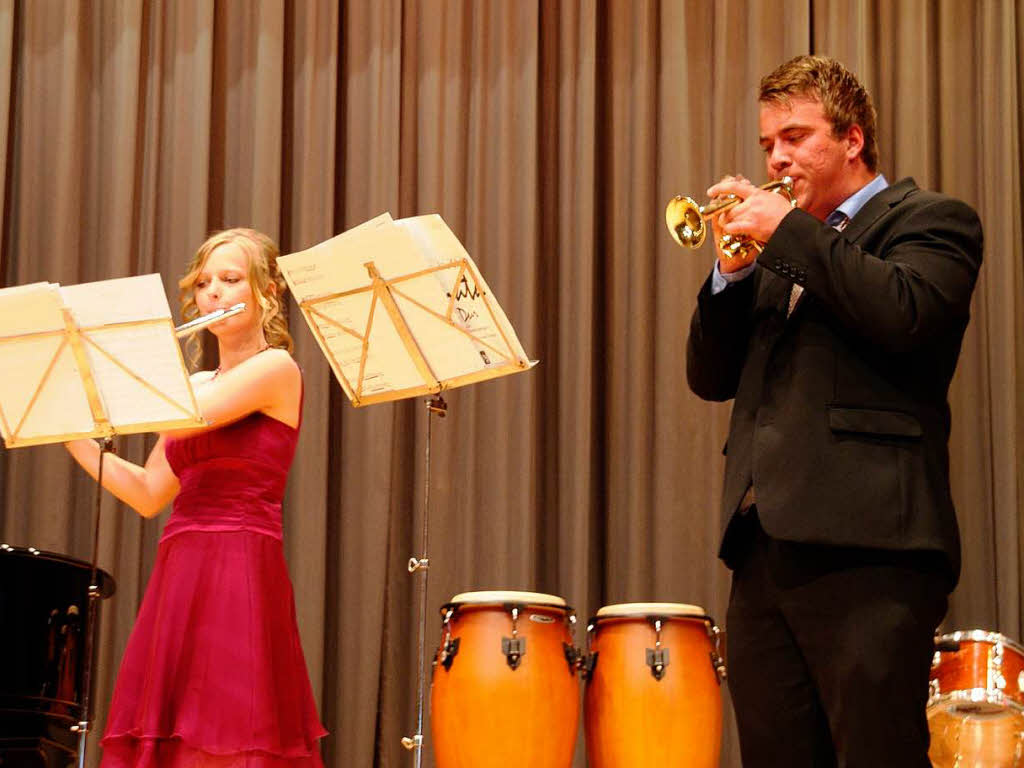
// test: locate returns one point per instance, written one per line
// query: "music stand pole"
(438, 406)
(95, 593)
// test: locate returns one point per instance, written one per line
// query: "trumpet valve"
(686, 219)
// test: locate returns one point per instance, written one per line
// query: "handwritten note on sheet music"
(462, 288)
(429, 322)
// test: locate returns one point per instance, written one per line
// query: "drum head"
(667, 610)
(501, 597)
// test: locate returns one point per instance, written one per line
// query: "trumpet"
(214, 317)
(686, 220)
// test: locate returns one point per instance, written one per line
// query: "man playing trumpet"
(837, 344)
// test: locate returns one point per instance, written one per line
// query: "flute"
(214, 317)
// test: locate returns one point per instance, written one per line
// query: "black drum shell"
(44, 605)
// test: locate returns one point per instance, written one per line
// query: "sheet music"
(121, 300)
(321, 270)
(337, 266)
(150, 351)
(153, 355)
(484, 344)
(61, 406)
(136, 373)
(27, 312)
(31, 308)
(457, 329)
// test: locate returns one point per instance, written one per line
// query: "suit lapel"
(873, 210)
(877, 207)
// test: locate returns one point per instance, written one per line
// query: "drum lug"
(996, 680)
(449, 645)
(588, 663)
(718, 664)
(657, 657)
(514, 649)
(447, 652)
(574, 657)
(717, 658)
(657, 660)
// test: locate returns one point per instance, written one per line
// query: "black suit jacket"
(840, 420)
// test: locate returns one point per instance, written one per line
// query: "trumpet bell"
(685, 222)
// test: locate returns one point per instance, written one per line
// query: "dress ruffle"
(127, 752)
(213, 674)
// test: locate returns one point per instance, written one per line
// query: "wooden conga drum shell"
(484, 713)
(633, 719)
(976, 703)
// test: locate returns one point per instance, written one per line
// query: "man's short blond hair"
(846, 102)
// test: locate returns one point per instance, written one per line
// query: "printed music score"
(400, 309)
(90, 360)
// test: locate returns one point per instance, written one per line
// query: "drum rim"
(507, 597)
(980, 635)
(942, 701)
(642, 610)
(106, 582)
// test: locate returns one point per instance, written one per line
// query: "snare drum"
(652, 696)
(504, 689)
(976, 701)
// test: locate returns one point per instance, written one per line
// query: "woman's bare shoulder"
(281, 361)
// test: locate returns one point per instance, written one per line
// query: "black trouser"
(829, 652)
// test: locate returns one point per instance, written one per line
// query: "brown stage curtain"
(549, 135)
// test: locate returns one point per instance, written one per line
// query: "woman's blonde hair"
(263, 273)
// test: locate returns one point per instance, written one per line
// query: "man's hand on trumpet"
(757, 216)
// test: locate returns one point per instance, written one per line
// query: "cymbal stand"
(435, 406)
(95, 593)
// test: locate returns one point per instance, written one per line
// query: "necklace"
(216, 371)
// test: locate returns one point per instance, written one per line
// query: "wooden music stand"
(90, 361)
(399, 310)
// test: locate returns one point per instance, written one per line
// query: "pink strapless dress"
(213, 675)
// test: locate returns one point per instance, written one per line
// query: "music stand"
(94, 360)
(400, 310)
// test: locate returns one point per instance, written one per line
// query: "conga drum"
(653, 672)
(976, 701)
(505, 690)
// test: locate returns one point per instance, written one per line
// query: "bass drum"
(505, 691)
(976, 701)
(652, 697)
(44, 606)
